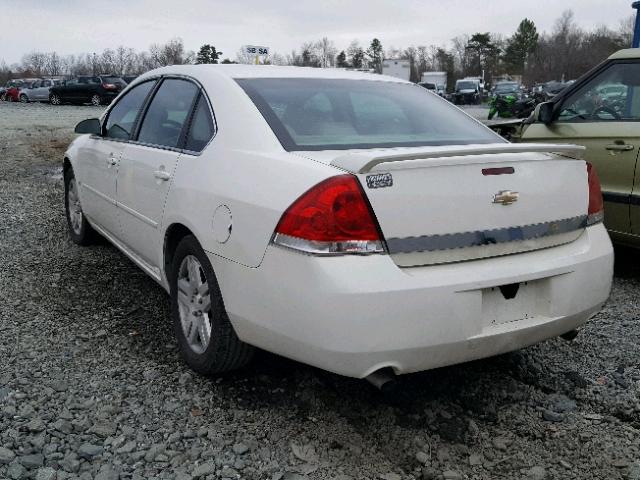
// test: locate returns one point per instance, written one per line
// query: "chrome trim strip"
(138, 215)
(97, 193)
(431, 243)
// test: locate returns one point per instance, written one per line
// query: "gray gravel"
(91, 385)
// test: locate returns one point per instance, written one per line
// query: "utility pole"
(636, 31)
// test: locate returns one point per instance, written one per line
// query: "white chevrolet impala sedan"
(350, 221)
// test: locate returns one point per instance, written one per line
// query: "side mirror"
(91, 125)
(544, 113)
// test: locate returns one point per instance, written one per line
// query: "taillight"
(109, 86)
(595, 213)
(333, 217)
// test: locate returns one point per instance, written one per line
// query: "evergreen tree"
(484, 52)
(522, 44)
(208, 54)
(375, 54)
(341, 60)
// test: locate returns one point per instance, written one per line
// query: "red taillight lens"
(595, 213)
(108, 86)
(332, 217)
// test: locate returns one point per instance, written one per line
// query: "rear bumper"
(354, 315)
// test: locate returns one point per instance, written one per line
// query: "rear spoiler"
(363, 162)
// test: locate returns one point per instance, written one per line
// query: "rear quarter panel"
(245, 169)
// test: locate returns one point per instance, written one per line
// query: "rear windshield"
(466, 85)
(507, 87)
(336, 114)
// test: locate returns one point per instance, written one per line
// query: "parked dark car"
(429, 86)
(99, 90)
(129, 78)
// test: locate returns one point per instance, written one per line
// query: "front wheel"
(24, 98)
(206, 338)
(96, 101)
(54, 99)
(79, 228)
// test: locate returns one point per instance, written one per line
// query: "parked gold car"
(602, 112)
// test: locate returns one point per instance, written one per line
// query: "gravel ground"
(91, 384)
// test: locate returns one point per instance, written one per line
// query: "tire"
(24, 98)
(80, 230)
(193, 282)
(95, 100)
(55, 99)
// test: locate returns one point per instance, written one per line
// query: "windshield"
(507, 87)
(466, 86)
(322, 114)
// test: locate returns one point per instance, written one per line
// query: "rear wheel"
(96, 101)
(55, 99)
(206, 338)
(81, 232)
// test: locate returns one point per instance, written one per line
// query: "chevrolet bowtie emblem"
(506, 197)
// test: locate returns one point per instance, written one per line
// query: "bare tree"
(325, 51)
(34, 63)
(171, 53)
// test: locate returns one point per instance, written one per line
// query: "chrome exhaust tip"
(383, 379)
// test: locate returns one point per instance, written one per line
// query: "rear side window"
(123, 115)
(202, 129)
(328, 114)
(168, 112)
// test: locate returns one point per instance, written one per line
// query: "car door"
(99, 161)
(80, 92)
(42, 92)
(610, 130)
(635, 202)
(68, 91)
(148, 165)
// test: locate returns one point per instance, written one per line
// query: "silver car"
(37, 91)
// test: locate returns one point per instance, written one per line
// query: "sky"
(79, 26)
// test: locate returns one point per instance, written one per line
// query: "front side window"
(202, 128)
(164, 121)
(328, 114)
(612, 95)
(123, 115)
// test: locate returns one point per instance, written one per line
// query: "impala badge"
(506, 197)
(380, 180)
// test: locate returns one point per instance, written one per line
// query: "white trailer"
(439, 79)
(397, 67)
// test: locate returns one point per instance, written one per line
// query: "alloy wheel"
(194, 304)
(55, 100)
(95, 100)
(23, 99)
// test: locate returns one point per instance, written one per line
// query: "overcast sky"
(77, 26)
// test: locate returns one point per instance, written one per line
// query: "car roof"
(629, 53)
(236, 71)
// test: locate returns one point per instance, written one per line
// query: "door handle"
(162, 175)
(622, 147)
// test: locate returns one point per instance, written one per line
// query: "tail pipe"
(383, 379)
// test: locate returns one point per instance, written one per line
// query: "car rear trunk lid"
(448, 204)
